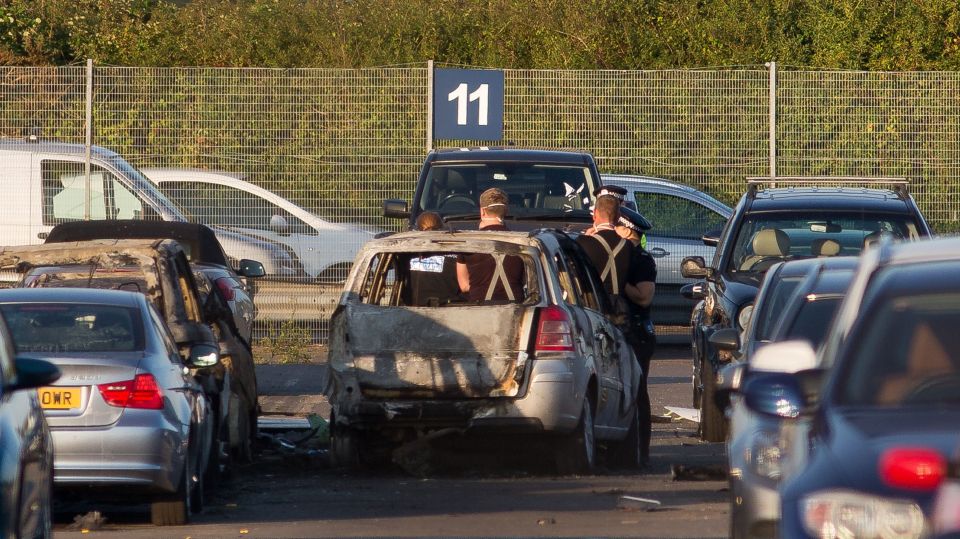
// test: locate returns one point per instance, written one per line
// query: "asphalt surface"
(470, 489)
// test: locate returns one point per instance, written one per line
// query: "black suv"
(801, 218)
(546, 188)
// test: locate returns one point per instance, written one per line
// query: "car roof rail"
(898, 184)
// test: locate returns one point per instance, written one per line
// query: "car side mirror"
(693, 267)
(775, 394)
(251, 269)
(711, 238)
(278, 224)
(396, 208)
(202, 355)
(33, 373)
(694, 291)
(727, 339)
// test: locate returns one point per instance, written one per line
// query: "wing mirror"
(693, 267)
(694, 291)
(251, 268)
(202, 355)
(33, 373)
(278, 224)
(727, 339)
(396, 208)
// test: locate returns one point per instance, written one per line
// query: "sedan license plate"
(59, 398)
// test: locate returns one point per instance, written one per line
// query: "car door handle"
(659, 252)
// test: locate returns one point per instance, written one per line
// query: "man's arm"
(463, 277)
(640, 293)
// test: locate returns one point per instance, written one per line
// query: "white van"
(45, 183)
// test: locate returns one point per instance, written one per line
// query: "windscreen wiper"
(461, 217)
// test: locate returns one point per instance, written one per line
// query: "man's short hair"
(429, 220)
(494, 201)
(608, 208)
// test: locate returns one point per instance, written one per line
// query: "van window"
(64, 190)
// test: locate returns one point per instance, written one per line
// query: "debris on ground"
(679, 412)
(636, 503)
(418, 457)
(609, 492)
(681, 472)
(545, 521)
(298, 445)
(93, 520)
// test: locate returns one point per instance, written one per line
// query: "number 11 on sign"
(481, 95)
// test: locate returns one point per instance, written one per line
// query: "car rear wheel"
(174, 509)
(241, 430)
(577, 451)
(713, 425)
(345, 448)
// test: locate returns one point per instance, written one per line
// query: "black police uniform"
(633, 265)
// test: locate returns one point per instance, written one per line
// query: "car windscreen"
(907, 353)
(767, 238)
(72, 327)
(130, 279)
(532, 189)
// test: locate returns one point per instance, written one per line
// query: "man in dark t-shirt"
(433, 279)
(485, 277)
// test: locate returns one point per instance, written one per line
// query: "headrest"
(825, 247)
(771, 242)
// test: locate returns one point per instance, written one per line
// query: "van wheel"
(626, 453)
(174, 509)
(713, 425)
(577, 452)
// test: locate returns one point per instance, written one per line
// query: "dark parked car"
(546, 188)
(679, 217)
(128, 418)
(870, 427)
(771, 225)
(26, 446)
(797, 300)
(549, 363)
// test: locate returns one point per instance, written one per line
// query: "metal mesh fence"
(322, 148)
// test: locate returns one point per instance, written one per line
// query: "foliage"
(542, 34)
(285, 342)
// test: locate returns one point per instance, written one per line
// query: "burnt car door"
(617, 371)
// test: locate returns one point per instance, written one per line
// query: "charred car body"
(158, 269)
(548, 363)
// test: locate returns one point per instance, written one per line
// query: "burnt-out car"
(160, 270)
(549, 363)
(232, 288)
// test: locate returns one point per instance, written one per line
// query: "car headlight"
(763, 455)
(743, 317)
(842, 514)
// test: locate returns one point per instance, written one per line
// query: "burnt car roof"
(202, 244)
(829, 199)
(504, 155)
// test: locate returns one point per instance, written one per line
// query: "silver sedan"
(128, 418)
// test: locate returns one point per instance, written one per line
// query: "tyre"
(345, 448)
(174, 509)
(626, 453)
(577, 452)
(240, 429)
(713, 425)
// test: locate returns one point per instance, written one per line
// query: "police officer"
(629, 274)
(485, 277)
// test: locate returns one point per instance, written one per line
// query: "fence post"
(773, 118)
(429, 105)
(88, 140)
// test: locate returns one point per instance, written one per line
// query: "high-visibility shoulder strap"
(499, 276)
(611, 267)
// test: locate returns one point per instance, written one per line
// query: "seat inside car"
(770, 245)
(825, 247)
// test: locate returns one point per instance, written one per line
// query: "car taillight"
(554, 332)
(141, 392)
(225, 285)
(912, 468)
